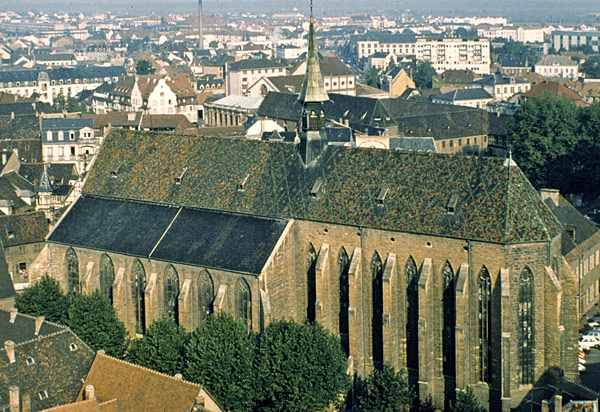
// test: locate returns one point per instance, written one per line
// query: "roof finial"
(311, 13)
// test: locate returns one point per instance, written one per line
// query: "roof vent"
(30, 361)
(180, 177)
(451, 205)
(381, 195)
(73, 347)
(115, 172)
(314, 191)
(43, 395)
(242, 183)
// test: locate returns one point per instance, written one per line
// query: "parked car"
(588, 342)
(593, 324)
(593, 334)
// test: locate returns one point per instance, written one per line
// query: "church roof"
(493, 199)
(211, 239)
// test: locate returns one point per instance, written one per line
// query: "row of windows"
(171, 287)
(484, 293)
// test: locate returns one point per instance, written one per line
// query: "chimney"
(90, 393)
(13, 396)
(557, 403)
(545, 406)
(13, 314)
(38, 324)
(9, 347)
(199, 400)
(26, 407)
(550, 193)
(178, 377)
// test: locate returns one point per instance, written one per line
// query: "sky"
(551, 11)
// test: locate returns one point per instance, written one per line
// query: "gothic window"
(412, 316)
(525, 319)
(72, 266)
(484, 284)
(243, 303)
(107, 277)
(343, 267)
(138, 287)
(377, 320)
(171, 294)
(311, 282)
(205, 295)
(449, 310)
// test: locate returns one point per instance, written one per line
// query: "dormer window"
(30, 361)
(381, 195)
(179, 178)
(242, 183)
(43, 395)
(314, 191)
(451, 205)
(73, 347)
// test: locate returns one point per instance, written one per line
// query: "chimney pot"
(13, 315)
(178, 377)
(557, 403)
(38, 324)
(90, 392)
(13, 395)
(26, 407)
(9, 346)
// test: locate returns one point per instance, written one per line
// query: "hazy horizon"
(535, 10)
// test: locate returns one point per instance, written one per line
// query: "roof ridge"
(38, 338)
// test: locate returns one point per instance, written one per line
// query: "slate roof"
(556, 61)
(496, 204)
(57, 369)
(511, 61)
(464, 94)
(23, 229)
(498, 79)
(415, 144)
(210, 239)
(250, 64)
(7, 288)
(59, 173)
(9, 184)
(136, 388)
(329, 65)
(58, 73)
(25, 108)
(66, 123)
(456, 76)
(285, 83)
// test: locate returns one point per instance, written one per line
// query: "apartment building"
(455, 54)
(398, 44)
(244, 73)
(568, 39)
(557, 66)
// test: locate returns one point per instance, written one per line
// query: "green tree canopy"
(542, 136)
(44, 298)
(301, 367)
(373, 79)
(95, 321)
(384, 390)
(519, 50)
(144, 67)
(423, 73)
(591, 67)
(162, 347)
(69, 104)
(220, 356)
(466, 402)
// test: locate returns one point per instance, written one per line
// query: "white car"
(593, 334)
(588, 342)
(593, 324)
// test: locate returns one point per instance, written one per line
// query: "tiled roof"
(496, 202)
(140, 389)
(58, 367)
(23, 229)
(58, 73)
(210, 239)
(249, 64)
(456, 76)
(555, 89)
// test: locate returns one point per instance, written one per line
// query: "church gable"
(456, 196)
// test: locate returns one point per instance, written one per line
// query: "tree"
(466, 402)
(591, 67)
(384, 390)
(44, 298)
(162, 348)
(69, 104)
(301, 367)
(95, 321)
(373, 77)
(542, 136)
(144, 67)
(423, 73)
(220, 356)
(519, 51)
(587, 179)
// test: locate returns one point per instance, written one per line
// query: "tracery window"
(412, 317)
(205, 295)
(343, 267)
(107, 277)
(449, 331)
(72, 267)
(525, 319)
(377, 319)
(311, 283)
(171, 294)
(484, 283)
(243, 303)
(138, 288)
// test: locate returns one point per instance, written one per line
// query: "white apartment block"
(456, 54)
(569, 39)
(243, 74)
(530, 34)
(557, 66)
(400, 45)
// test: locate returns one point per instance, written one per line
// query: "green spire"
(313, 88)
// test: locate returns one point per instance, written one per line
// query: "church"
(447, 266)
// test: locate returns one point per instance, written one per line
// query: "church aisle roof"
(206, 238)
(475, 198)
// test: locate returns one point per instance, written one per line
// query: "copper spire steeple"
(313, 88)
